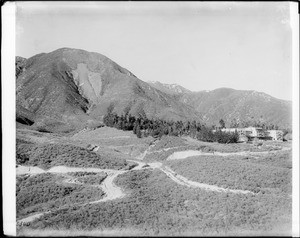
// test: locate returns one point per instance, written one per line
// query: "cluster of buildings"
(255, 132)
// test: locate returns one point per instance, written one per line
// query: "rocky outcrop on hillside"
(20, 62)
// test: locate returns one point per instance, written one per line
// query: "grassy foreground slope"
(155, 205)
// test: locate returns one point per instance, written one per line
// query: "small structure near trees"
(251, 133)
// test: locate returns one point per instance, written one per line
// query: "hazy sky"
(199, 45)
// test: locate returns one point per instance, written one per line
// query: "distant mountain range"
(69, 88)
(230, 104)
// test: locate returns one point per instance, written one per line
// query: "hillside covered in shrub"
(44, 192)
(158, 206)
(48, 155)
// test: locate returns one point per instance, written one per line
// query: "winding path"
(108, 187)
(114, 192)
(186, 182)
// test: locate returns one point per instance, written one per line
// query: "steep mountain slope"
(72, 87)
(169, 88)
(229, 104)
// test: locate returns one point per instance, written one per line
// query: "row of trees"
(144, 127)
(251, 122)
(156, 128)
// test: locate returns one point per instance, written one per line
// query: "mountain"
(230, 104)
(70, 88)
(241, 106)
(169, 88)
(67, 88)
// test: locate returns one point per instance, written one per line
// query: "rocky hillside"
(69, 87)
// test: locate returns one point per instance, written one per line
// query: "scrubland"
(154, 204)
(282, 159)
(46, 156)
(158, 206)
(235, 172)
(45, 192)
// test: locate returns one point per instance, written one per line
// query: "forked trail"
(107, 186)
(112, 191)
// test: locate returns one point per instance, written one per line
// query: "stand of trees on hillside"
(143, 127)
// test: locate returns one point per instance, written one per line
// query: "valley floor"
(172, 186)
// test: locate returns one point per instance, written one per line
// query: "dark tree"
(222, 123)
(138, 132)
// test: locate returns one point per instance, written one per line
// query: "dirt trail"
(139, 166)
(142, 155)
(189, 153)
(108, 187)
(186, 182)
(29, 170)
(147, 151)
(114, 192)
(30, 218)
(166, 149)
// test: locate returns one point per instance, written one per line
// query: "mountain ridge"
(69, 87)
(210, 102)
(73, 86)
